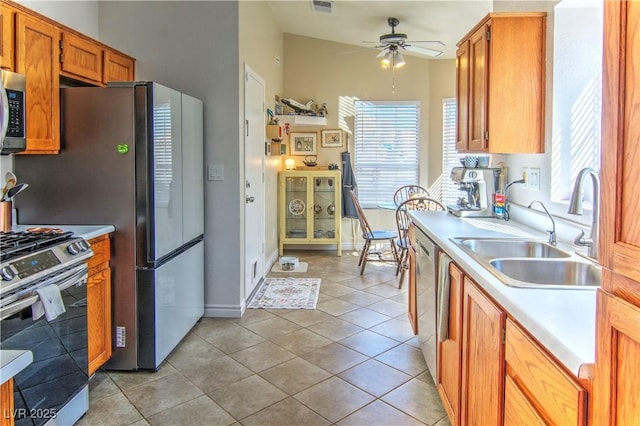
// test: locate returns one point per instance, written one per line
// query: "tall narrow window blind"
(450, 156)
(386, 148)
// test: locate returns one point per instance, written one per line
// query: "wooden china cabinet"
(617, 382)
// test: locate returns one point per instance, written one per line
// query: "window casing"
(387, 135)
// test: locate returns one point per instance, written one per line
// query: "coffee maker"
(477, 187)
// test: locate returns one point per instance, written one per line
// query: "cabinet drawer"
(101, 247)
(553, 393)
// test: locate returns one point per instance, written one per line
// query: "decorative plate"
(296, 207)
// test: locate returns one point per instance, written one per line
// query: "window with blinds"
(386, 148)
(450, 156)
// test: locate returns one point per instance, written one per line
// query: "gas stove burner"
(15, 244)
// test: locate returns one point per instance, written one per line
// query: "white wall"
(80, 15)
(193, 47)
(264, 54)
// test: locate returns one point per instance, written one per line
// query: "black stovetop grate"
(16, 244)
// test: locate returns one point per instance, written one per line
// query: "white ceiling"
(355, 21)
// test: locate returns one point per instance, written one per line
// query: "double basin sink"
(531, 263)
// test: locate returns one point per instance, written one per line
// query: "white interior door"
(254, 145)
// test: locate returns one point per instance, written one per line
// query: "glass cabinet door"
(296, 207)
(324, 208)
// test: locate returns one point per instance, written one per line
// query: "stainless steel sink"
(492, 248)
(548, 273)
(530, 263)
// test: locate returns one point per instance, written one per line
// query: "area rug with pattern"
(287, 293)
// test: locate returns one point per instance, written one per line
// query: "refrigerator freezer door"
(165, 227)
(192, 168)
(171, 301)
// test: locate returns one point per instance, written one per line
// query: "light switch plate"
(215, 172)
(534, 179)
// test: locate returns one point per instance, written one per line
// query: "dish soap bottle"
(499, 200)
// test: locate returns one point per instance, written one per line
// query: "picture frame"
(332, 138)
(303, 143)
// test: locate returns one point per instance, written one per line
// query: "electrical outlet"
(534, 179)
(525, 176)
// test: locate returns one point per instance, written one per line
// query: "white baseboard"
(224, 311)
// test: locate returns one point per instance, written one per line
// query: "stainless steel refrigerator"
(132, 156)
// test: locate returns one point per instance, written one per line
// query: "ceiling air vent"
(323, 6)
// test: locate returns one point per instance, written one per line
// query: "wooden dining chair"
(402, 222)
(409, 191)
(371, 235)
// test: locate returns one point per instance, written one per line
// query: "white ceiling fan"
(393, 43)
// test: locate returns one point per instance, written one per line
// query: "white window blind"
(386, 148)
(450, 156)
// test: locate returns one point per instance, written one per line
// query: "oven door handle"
(77, 276)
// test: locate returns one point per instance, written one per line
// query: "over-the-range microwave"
(12, 113)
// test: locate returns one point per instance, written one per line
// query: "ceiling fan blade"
(422, 50)
(382, 53)
(426, 41)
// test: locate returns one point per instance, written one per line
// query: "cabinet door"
(478, 81)
(482, 359)
(7, 15)
(99, 303)
(620, 235)
(462, 97)
(450, 351)
(81, 59)
(99, 318)
(37, 59)
(536, 381)
(617, 380)
(117, 67)
(323, 200)
(413, 306)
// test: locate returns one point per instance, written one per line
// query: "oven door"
(54, 387)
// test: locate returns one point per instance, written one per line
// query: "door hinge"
(246, 123)
(504, 336)
(486, 135)
(488, 35)
(61, 58)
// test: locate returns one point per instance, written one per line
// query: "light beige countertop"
(12, 362)
(563, 321)
(85, 231)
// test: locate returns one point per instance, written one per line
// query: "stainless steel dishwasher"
(426, 276)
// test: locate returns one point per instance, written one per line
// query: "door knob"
(248, 199)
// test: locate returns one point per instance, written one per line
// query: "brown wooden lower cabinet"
(99, 303)
(482, 358)
(449, 359)
(412, 291)
(537, 389)
(617, 382)
(6, 402)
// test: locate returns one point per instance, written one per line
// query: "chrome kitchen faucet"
(575, 207)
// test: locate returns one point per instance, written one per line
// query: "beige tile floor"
(352, 361)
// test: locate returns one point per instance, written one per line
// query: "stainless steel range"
(54, 387)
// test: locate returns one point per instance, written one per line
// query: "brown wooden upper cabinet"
(37, 58)
(7, 20)
(80, 58)
(500, 70)
(44, 50)
(117, 67)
